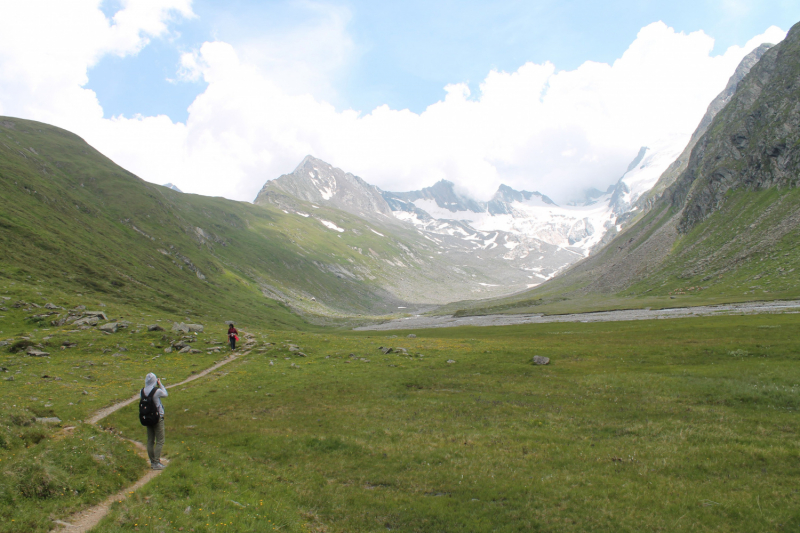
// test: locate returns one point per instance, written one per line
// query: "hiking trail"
(85, 520)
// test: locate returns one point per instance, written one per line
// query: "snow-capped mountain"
(522, 230)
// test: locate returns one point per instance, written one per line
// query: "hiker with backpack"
(151, 415)
(233, 336)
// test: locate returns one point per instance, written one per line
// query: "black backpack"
(148, 412)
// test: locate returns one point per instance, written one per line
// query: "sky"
(219, 97)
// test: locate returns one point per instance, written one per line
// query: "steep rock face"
(716, 105)
(318, 182)
(753, 143)
(443, 193)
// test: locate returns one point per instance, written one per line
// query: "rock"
(110, 327)
(155, 327)
(301, 354)
(88, 321)
(401, 350)
(51, 306)
(271, 363)
(79, 308)
(33, 352)
(539, 360)
(195, 328)
(192, 350)
(3, 308)
(69, 344)
(48, 420)
(179, 345)
(187, 349)
(411, 336)
(293, 348)
(99, 314)
(85, 393)
(118, 354)
(3, 343)
(385, 350)
(176, 327)
(168, 349)
(450, 361)
(17, 305)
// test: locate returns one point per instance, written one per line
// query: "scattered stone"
(187, 349)
(271, 363)
(187, 328)
(411, 336)
(17, 305)
(168, 349)
(48, 420)
(69, 344)
(539, 360)
(450, 361)
(3, 343)
(385, 350)
(301, 354)
(99, 314)
(3, 308)
(88, 321)
(85, 393)
(179, 345)
(117, 354)
(33, 352)
(110, 327)
(293, 348)
(192, 350)
(401, 350)
(79, 308)
(51, 306)
(155, 327)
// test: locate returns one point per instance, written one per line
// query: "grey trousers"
(155, 441)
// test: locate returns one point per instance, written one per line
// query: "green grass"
(640, 426)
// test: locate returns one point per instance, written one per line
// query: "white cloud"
(536, 128)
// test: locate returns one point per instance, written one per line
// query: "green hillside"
(74, 222)
(726, 230)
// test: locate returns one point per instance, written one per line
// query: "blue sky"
(404, 53)
(219, 97)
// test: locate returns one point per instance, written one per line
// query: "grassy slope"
(692, 428)
(76, 221)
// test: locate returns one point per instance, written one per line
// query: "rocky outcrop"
(753, 143)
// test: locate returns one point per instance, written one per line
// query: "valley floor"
(426, 322)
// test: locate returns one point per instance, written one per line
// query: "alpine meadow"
(420, 359)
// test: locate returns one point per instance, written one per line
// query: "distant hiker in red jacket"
(233, 336)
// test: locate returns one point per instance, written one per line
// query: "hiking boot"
(158, 466)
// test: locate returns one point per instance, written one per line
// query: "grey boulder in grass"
(539, 360)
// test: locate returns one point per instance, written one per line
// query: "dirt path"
(423, 322)
(85, 520)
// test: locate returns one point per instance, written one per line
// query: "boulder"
(450, 361)
(187, 349)
(293, 348)
(3, 343)
(69, 344)
(411, 336)
(87, 321)
(99, 314)
(51, 306)
(539, 360)
(180, 327)
(155, 327)
(400, 350)
(110, 327)
(17, 305)
(195, 328)
(179, 345)
(168, 349)
(385, 350)
(33, 352)
(48, 420)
